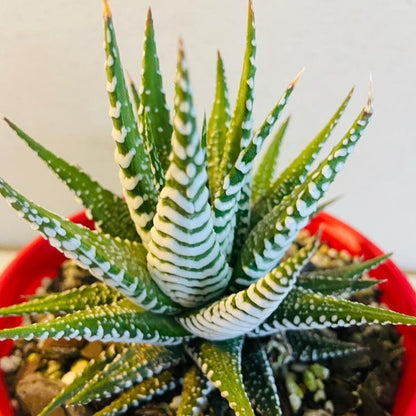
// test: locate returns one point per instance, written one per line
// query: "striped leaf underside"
(184, 257)
(241, 312)
(119, 263)
(67, 301)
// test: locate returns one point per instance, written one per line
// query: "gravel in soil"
(361, 384)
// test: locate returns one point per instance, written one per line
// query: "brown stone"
(92, 350)
(28, 367)
(35, 391)
(78, 411)
(61, 348)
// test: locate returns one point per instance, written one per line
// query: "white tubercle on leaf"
(136, 174)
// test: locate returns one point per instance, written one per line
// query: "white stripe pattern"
(242, 312)
(184, 257)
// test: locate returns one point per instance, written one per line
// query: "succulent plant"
(191, 260)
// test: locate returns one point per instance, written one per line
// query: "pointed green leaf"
(143, 392)
(184, 257)
(121, 264)
(303, 309)
(157, 170)
(242, 218)
(336, 286)
(221, 363)
(271, 237)
(296, 172)
(341, 281)
(134, 92)
(152, 97)
(259, 380)
(109, 212)
(243, 311)
(68, 301)
(194, 393)
(72, 389)
(135, 364)
(313, 346)
(350, 272)
(217, 127)
(121, 322)
(267, 168)
(327, 203)
(226, 203)
(204, 136)
(135, 171)
(241, 122)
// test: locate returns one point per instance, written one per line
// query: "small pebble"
(68, 377)
(10, 363)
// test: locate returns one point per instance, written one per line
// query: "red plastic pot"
(39, 260)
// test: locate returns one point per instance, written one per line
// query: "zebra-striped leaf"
(109, 212)
(121, 264)
(303, 309)
(259, 380)
(243, 311)
(121, 322)
(272, 236)
(267, 168)
(152, 98)
(136, 364)
(184, 257)
(239, 133)
(242, 218)
(309, 346)
(94, 367)
(218, 125)
(131, 156)
(221, 363)
(296, 172)
(71, 300)
(143, 392)
(226, 201)
(195, 389)
(349, 272)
